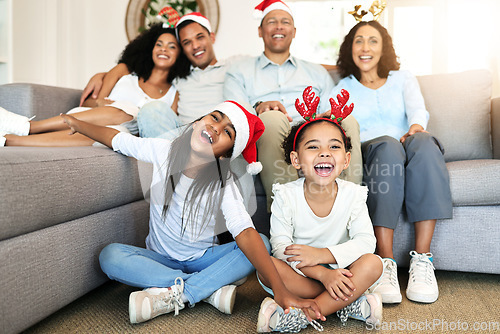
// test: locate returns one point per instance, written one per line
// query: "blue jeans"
(157, 120)
(220, 265)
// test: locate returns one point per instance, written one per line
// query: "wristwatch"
(257, 104)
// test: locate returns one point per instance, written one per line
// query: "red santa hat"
(195, 17)
(266, 6)
(248, 128)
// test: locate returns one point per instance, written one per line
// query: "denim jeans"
(220, 265)
(157, 120)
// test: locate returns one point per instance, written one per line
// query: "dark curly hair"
(287, 144)
(388, 62)
(138, 55)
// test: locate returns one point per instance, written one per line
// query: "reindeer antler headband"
(376, 9)
(308, 109)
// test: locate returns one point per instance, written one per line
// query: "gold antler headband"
(376, 9)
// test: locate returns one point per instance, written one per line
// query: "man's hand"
(413, 129)
(272, 105)
(93, 86)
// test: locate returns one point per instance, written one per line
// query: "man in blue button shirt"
(271, 82)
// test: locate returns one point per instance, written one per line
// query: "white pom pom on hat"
(248, 128)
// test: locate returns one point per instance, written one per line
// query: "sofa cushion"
(459, 106)
(42, 187)
(38, 100)
(474, 182)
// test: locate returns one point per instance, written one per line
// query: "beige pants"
(271, 154)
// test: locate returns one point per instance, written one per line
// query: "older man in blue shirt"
(271, 82)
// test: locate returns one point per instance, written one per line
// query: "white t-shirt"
(201, 90)
(127, 89)
(347, 231)
(165, 235)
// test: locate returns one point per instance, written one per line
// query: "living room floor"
(468, 303)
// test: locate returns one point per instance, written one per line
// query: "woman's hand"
(308, 256)
(414, 128)
(93, 87)
(338, 284)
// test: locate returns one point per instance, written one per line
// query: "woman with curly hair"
(154, 59)
(404, 164)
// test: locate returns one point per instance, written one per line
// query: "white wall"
(63, 43)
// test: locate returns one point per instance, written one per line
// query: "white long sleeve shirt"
(347, 231)
(165, 233)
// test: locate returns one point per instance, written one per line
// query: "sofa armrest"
(40, 100)
(495, 127)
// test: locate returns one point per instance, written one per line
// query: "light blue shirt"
(256, 79)
(389, 110)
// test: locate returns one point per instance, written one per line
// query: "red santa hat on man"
(195, 17)
(248, 128)
(266, 6)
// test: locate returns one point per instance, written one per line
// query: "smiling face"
(367, 49)
(277, 30)
(197, 44)
(213, 135)
(320, 154)
(165, 51)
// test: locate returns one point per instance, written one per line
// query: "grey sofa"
(60, 206)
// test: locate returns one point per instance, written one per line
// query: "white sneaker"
(367, 308)
(240, 281)
(147, 304)
(388, 287)
(272, 318)
(223, 299)
(422, 283)
(12, 123)
(2, 138)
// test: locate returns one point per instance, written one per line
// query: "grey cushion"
(468, 242)
(40, 100)
(46, 270)
(42, 187)
(475, 182)
(459, 106)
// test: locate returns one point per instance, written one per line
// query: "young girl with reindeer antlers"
(321, 234)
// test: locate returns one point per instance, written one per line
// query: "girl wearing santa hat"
(321, 234)
(193, 198)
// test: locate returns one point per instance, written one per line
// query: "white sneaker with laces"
(223, 299)
(147, 304)
(388, 287)
(422, 283)
(12, 123)
(367, 308)
(272, 318)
